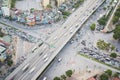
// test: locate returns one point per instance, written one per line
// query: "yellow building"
(60, 2)
(45, 3)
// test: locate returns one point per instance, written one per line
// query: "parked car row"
(100, 56)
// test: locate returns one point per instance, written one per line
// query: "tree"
(9, 62)
(66, 13)
(80, 1)
(115, 19)
(108, 72)
(103, 45)
(92, 27)
(63, 77)
(56, 3)
(49, 6)
(113, 55)
(56, 78)
(104, 77)
(102, 20)
(1, 34)
(112, 47)
(116, 74)
(69, 73)
(13, 3)
(0, 72)
(10, 18)
(116, 34)
(117, 13)
(104, 8)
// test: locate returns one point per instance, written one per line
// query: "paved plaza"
(28, 4)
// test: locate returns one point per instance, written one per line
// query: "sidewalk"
(85, 75)
(109, 26)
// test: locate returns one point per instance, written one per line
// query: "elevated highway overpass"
(43, 55)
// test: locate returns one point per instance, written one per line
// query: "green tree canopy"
(109, 72)
(69, 73)
(115, 19)
(101, 44)
(102, 20)
(9, 62)
(67, 13)
(92, 27)
(113, 55)
(1, 33)
(63, 77)
(116, 74)
(104, 77)
(13, 3)
(116, 34)
(56, 78)
(49, 6)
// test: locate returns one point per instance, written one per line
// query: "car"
(25, 67)
(70, 28)
(40, 53)
(45, 78)
(65, 27)
(46, 59)
(40, 44)
(65, 34)
(32, 70)
(71, 31)
(55, 38)
(76, 25)
(60, 59)
(45, 56)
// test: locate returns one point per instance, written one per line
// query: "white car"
(71, 31)
(59, 59)
(65, 34)
(45, 78)
(46, 59)
(55, 38)
(25, 67)
(32, 70)
(45, 56)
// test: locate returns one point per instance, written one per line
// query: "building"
(5, 11)
(30, 20)
(2, 53)
(60, 2)
(45, 3)
(6, 3)
(4, 45)
(5, 7)
(115, 78)
(92, 78)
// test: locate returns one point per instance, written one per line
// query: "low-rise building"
(6, 3)
(45, 3)
(5, 7)
(2, 53)
(5, 11)
(60, 2)
(30, 20)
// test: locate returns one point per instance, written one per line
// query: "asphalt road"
(58, 39)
